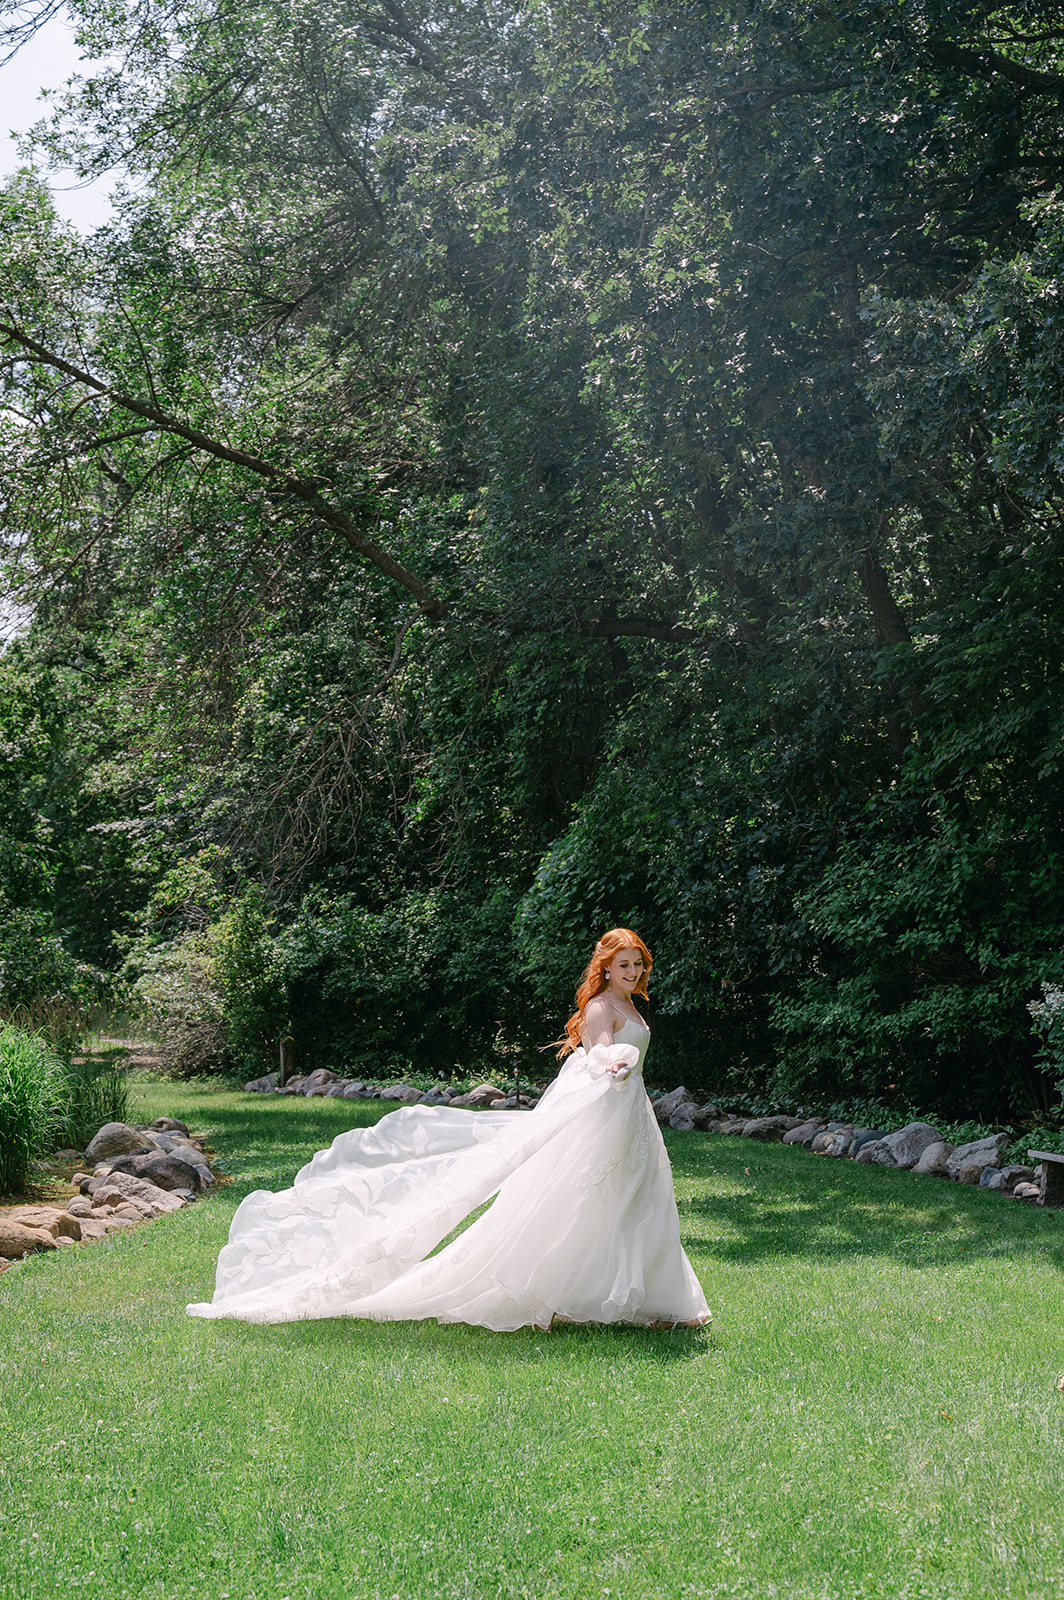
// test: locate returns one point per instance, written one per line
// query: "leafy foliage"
(505, 474)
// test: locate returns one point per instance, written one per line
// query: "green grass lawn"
(874, 1412)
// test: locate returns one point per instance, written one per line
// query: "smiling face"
(625, 971)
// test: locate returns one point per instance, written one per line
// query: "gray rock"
(511, 1103)
(668, 1104)
(294, 1085)
(683, 1118)
(804, 1133)
(821, 1141)
(186, 1149)
(905, 1147)
(319, 1080)
(863, 1136)
(434, 1097)
(769, 1128)
(1011, 1176)
(114, 1139)
(118, 1186)
(263, 1085)
(165, 1171)
(79, 1206)
(404, 1092)
(841, 1143)
(866, 1156)
(482, 1095)
(354, 1091)
(980, 1153)
(933, 1161)
(1003, 1180)
(168, 1125)
(1026, 1191)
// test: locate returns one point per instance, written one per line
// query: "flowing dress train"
(583, 1225)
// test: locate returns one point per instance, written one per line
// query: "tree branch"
(989, 64)
(431, 604)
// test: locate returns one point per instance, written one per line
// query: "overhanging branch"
(430, 604)
(299, 488)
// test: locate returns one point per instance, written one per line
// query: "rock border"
(138, 1174)
(322, 1081)
(918, 1147)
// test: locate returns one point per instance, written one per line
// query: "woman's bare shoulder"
(598, 1014)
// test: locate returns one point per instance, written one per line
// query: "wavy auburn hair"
(595, 981)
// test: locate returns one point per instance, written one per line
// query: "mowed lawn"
(874, 1413)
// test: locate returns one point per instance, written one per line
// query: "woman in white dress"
(583, 1226)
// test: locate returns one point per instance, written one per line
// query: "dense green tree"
(597, 460)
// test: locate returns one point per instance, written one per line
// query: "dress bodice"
(636, 1034)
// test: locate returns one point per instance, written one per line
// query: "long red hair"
(595, 981)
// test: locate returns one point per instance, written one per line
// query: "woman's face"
(625, 971)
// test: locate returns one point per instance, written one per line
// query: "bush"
(208, 975)
(33, 1090)
(43, 988)
(425, 986)
(177, 995)
(1047, 1015)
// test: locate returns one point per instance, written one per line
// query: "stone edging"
(138, 1174)
(485, 1097)
(918, 1147)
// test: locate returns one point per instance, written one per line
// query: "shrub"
(1047, 1015)
(425, 986)
(43, 988)
(33, 1088)
(213, 990)
(178, 996)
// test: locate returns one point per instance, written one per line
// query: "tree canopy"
(505, 472)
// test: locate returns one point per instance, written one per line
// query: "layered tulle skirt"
(583, 1224)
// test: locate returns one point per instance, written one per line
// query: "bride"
(582, 1228)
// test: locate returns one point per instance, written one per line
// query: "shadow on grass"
(759, 1201)
(740, 1201)
(458, 1343)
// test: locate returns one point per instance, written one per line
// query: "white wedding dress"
(583, 1225)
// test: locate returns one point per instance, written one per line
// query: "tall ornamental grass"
(34, 1093)
(96, 1092)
